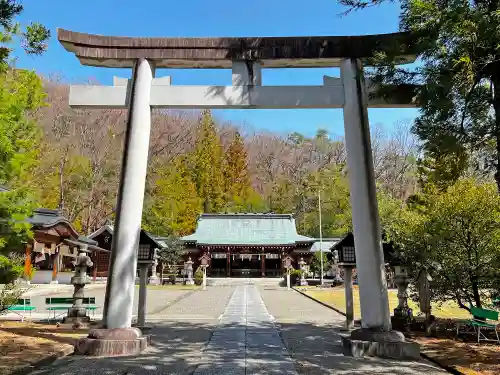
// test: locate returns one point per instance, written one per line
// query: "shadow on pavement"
(178, 348)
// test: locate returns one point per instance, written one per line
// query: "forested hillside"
(199, 165)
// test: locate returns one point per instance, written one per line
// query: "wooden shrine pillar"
(55, 267)
(96, 262)
(27, 262)
(263, 265)
(228, 262)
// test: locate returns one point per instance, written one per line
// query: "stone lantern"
(77, 314)
(345, 257)
(188, 267)
(402, 313)
(146, 257)
(154, 279)
(302, 264)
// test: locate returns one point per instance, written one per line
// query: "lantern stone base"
(303, 283)
(189, 282)
(154, 280)
(371, 343)
(112, 342)
(401, 323)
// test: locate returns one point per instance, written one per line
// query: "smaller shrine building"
(104, 238)
(247, 244)
(53, 246)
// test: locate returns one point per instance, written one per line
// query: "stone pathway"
(246, 341)
(312, 335)
(241, 329)
(180, 333)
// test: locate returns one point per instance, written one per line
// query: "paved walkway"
(241, 329)
(312, 334)
(246, 341)
(180, 333)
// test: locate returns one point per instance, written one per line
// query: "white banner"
(40, 257)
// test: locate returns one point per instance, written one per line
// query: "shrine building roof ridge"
(46, 217)
(253, 229)
(219, 52)
(107, 227)
(230, 215)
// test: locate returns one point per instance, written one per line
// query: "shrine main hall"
(247, 245)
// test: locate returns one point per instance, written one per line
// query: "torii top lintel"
(212, 53)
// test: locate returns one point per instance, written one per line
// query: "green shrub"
(10, 269)
(9, 295)
(295, 276)
(198, 276)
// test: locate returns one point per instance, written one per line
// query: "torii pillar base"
(112, 342)
(365, 342)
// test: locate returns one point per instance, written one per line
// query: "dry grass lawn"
(470, 358)
(22, 344)
(336, 298)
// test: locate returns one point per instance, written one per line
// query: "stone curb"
(449, 369)
(318, 301)
(28, 369)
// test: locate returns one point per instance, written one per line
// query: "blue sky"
(191, 18)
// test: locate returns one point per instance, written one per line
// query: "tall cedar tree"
(460, 75)
(21, 93)
(235, 170)
(175, 204)
(207, 165)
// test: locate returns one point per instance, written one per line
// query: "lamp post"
(145, 258)
(204, 265)
(320, 237)
(303, 281)
(347, 260)
(288, 267)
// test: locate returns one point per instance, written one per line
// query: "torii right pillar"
(375, 337)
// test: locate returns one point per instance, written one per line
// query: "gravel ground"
(157, 301)
(201, 304)
(311, 333)
(175, 349)
(179, 336)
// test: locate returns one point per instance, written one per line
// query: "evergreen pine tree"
(207, 165)
(175, 204)
(236, 176)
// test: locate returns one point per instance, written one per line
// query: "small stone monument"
(77, 314)
(302, 264)
(154, 279)
(189, 271)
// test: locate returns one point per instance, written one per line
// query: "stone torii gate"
(246, 57)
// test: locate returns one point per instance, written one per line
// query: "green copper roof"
(246, 229)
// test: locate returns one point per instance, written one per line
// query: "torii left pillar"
(118, 337)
